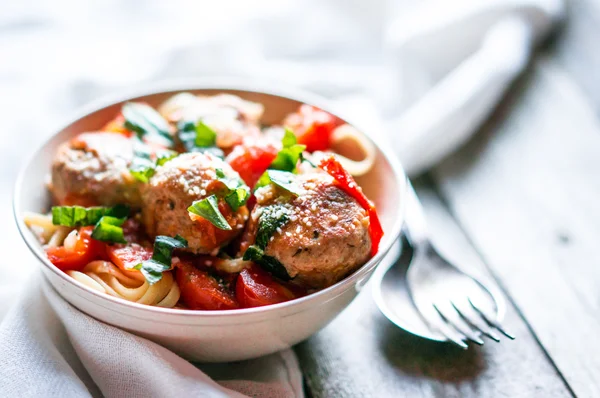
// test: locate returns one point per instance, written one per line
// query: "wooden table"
(520, 202)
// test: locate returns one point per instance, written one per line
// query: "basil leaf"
(289, 138)
(161, 257)
(78, 216)
(230, 182)
(164, 246)
(303, 159)
(287, 158)
(268, 263)
(271, 218)
(285, 180)
(108, 229)
(143, 119)
(142, 167)
(205, 136)
(237, 193)
(186, 132)
(237, 198)
(163, 157)
(208, 208)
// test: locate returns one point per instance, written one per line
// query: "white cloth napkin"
(51, 349)
(429, 71)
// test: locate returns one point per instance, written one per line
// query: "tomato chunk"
(256, 288)
(347, 183)
(84, 251)
(251, 159)
(128, 256)
(201, 291)
(312, 126)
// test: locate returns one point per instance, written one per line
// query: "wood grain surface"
(520, 204)
(526, 191)
(361, 354)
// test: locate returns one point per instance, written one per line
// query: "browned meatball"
(93, 169)
(175, 186)
(326, 236)
(231, 117)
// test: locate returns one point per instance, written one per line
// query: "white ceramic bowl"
(213, 336)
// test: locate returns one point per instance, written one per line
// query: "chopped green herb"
(186, 132)
(285, 180)
(205, 136)
(264, 180)
(78, 216)
(237, 198)
(237, 192)
(285, 161)
(303, 159)
(271, 218)
(163, 157)
(143, 119)
(108, 229)
(142, 170)
(287, 158)
(208, 208)
(270, 264)
(289, 138)
(142, 167)
(161, 257)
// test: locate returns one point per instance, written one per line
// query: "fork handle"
(415, 223)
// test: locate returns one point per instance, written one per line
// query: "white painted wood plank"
(527, 191)
(361, 354)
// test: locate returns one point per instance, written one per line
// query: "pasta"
(41, 225)
(107, 278)
(346, 138)
(198, 205)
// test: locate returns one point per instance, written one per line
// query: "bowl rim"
(225, 84)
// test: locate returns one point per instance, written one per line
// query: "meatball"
(326, 236)
(93, 169)
(174, 187)
(231, 117)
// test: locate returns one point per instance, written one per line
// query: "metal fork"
(451, 301)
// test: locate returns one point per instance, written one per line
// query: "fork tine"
(452, 335)
(491, 321)
(458, 324)
(477, 323)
